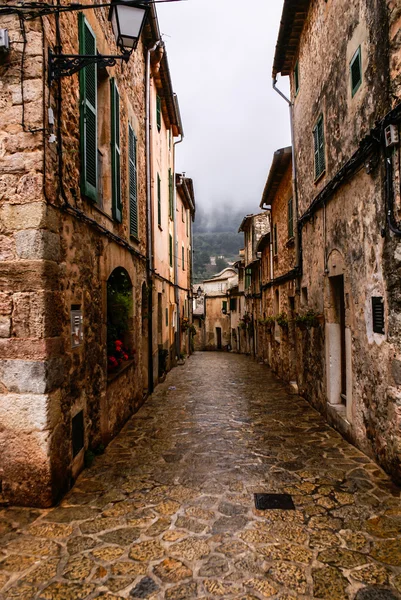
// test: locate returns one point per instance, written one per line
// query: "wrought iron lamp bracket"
(64, 65)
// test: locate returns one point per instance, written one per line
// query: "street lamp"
(127, 21)
(127, 18)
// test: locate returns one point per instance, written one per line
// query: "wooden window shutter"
(224, 307)
(171, 250)
(158, 112)
(183, 258)
(318, 137)
(133, 184)
(159, 201)
(115, 152)
(88, 113)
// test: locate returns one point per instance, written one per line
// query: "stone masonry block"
(37, 315)
(28, 276)
(8, 185)
(28, 216)
(7, 248)
(21, 162)
(30, 349)
(33, 90)
(35, 377)
(36, 244)
(6, 304)
(5, 326)
(22, 142)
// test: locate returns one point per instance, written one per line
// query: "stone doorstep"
(336, 416)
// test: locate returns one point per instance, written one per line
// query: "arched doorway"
(120, 339)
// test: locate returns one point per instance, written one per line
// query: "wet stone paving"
(168, 512)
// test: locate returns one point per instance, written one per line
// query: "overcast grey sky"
(220, 55)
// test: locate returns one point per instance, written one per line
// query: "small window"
(158, 113)
(378, 314)
(233, 304)
(296, 78)
(356, 71)
(224, 307)
(275, 240)
(318, 137)
(290, 218)
(248, 278)
(77, 433)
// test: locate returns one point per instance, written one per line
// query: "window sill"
(124, 367)
(320, 177)
(135, 239)
(102, 212)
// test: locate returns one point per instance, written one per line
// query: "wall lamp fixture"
(127, 18)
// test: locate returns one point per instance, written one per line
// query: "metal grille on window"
(378, 314)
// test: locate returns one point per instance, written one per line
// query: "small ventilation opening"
(356, 71)
(378, 314)
(274, 502)
(78, 437)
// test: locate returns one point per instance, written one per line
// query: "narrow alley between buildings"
(168, 510)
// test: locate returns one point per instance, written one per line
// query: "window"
(187, 224)
(296, 78)
(183, 258)
(170, 195)
(290, 218)
(318, 137)
(356, 71)
(88, 113)
(182, 214)
(159, 201)
(115, 152)
(224, 307)
(171, 250)
(378, 314)
(166, 317)
(133, 187)
(158, 113)
(275, 240)
(233, 304)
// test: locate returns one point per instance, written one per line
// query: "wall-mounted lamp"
(127, 20)
(4, 41)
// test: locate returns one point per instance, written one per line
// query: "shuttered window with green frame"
(158, 112)
(88, 112)
(159, 201)
(318, 138)
(171, 250)
(133, 183)
(115, 152)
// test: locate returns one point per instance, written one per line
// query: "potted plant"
(307, 320)
(282, 320)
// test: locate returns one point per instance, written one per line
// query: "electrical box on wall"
(4, 41)
(391, 135)
(77, 329)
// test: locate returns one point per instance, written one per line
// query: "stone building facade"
(74, 259)
(346, 114)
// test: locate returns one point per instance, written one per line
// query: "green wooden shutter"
(115, 152)
(159, 112)
(183, 258)
(318, 137)
(159, 201)
(133, 185)
(88, 112)
(171, 251)
(224, 307)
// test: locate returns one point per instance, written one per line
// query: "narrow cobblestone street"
(168, 511)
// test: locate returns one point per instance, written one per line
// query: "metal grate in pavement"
(274, 501)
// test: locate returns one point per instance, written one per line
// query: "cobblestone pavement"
(168, 511)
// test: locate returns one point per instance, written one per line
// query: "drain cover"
(274, 501)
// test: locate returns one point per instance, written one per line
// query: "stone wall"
(53, 258)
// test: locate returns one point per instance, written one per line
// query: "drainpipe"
(149, 219)
(176, 290)
(298, 251)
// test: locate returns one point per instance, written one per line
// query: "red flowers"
(119, 356)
